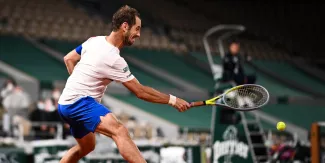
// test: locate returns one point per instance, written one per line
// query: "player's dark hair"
(124, 14)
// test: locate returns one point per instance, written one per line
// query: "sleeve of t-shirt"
(120, 71)
(82, 48)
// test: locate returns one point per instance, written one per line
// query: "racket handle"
(197, 103)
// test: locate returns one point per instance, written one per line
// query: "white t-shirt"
(100, 64)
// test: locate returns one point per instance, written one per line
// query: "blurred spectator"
(46, 117)
(302, 152)
(16, 103)
(139, 129)
(284, 153)
(285, 149)
(56, 95)
(148, 128)
(160, 133)
(7, 88)
(322, 147)
(46, 111)
(233, 69)
(38, 115)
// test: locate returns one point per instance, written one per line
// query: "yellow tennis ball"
(281, 126)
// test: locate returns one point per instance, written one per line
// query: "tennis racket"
(245, 97)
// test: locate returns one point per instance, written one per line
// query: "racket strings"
(249, 96)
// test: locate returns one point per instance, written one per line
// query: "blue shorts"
(83, 116)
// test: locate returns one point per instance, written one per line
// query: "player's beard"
(126, 39)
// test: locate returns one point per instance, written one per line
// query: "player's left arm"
(71, 59)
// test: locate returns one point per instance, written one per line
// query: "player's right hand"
(181, 105)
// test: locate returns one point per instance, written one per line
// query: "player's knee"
(86, 149)
(121, 131)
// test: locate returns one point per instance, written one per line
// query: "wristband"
(172, 100)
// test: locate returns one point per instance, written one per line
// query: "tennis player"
(92, 66)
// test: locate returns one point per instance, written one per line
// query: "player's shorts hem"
(98, 122)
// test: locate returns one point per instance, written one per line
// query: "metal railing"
(20, 128)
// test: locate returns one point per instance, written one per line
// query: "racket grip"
(197, 103)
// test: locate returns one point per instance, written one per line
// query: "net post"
(315, 145)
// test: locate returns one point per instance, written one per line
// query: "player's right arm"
(71, 59)
(119, 71)
(151, 95)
